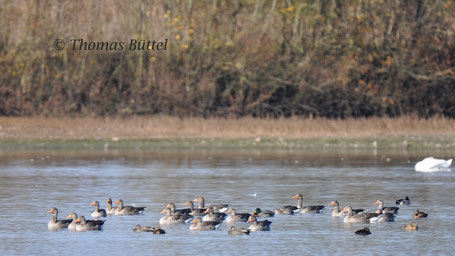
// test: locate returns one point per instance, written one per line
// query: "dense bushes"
(355, 58)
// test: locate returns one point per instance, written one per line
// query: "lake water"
(33, 182)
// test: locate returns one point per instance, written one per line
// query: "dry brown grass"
(169, 127)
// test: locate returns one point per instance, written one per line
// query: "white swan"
(431, 164)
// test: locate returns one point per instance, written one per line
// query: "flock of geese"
(210, 217)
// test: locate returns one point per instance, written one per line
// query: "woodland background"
(252, 58)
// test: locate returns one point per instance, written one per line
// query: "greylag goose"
(55, 223)
(307, 209)
(418, 214)
(109, 209)
(357, 218)
(73, 224)
(214, 216)
(405, 201)
(363, 232)
(85, 225)
(170, 219)
(336, 209)
(216, 207)
(390, 209)
(98, 212)
(238, 231)
(258, 225)
(195, 212)
(236, 217)
(199, 225)
(154, 230)
(411, 226)
(178, 211)
(127, 210)
(382, 217)
(263, 213)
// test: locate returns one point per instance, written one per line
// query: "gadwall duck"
(127, 210)
(97, 213)
(363, 232)
(236, 217)
(390, 209)
(216, 207)
(309, 208)
(154, 230)
(418, 214)
(287, 209)
(211, 215)
(55, 223)
(238, 231)
(85, 225)
(195, 212)
(405, 201)
(170, 219)
(357, 218)
(411, 226)
(110, 210)
(199, 225)
(258, 225)
(263, 213)
(336, 212)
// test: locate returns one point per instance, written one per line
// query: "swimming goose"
(236, 217)
(411, 226)
(85, 225)
(383, 217)
(216, 207)
(98, 212)
(127, 210)
(363, 232)
(238, 231)
(431, 164)
(109, 209)
(55, 223)
(195, 212)
(199, 225)
(170, 219)
(178, 211)
(154, 230)
(418, 214)
(258, 225)
(214, 216)
(390, 209)
(73, 224)
(263, 213)
(309, 208)
(336, 209)
(405, 201)
(357, 218)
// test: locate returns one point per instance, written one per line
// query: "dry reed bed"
(169, 127)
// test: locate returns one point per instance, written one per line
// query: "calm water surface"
(31, 183)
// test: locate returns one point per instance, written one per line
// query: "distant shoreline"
(248, 133)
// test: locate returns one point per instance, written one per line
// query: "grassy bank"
(248, 133)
